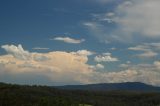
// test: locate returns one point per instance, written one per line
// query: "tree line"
(23, 95)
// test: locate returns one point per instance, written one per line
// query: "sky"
(60, 42)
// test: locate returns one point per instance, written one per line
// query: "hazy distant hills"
(127, 86)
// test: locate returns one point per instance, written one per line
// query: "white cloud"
(83, 53)
(56, 65)
(106, 57)
(17, 52)
(69, 68)
(123, 65)
(97, 67)
(128, 62)
(148, 50)
(146, 47)
(134, 21)
(155, 46)
(139, 48)
(68, 40)
(113, 48)
(147, 54)
(138, 17)
(100, 66)
(147, 73)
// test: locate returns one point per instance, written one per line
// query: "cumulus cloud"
(97, 67)
(105, 57)
(100, 66)
(17, 52)
(57, 65)
(69, 40)
(148, 72)
(68, 68)
(83, 52)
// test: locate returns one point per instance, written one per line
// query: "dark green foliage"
(15, 95)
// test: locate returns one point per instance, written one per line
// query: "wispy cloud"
(139, 16)
(140, 48)
(147, 54)
(68, 40)
(40, 48)
(149, 50)
(133, 21)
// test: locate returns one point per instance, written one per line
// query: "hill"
(128, 86)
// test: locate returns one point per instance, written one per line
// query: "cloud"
(56, 65)
(147, 54)
(68, 40)
(17, 52)
(125, 65)
(83, 53)
(155, 46)
(148, 50)
(113, 48)
(97, 67)
(146, 47)
(140, 48)
(130, 21)
(98, 30)
(105, 57)
(40, 48)
(139, 16)
(100, 66)
(60, 67)
(147, 72)
(104, 17)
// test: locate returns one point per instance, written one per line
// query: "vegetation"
(16, 95)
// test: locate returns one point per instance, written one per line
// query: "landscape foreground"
(24, 95)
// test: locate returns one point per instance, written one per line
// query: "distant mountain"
(127, 86)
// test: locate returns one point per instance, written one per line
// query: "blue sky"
(56, 42)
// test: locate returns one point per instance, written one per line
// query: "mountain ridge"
(128, 86)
